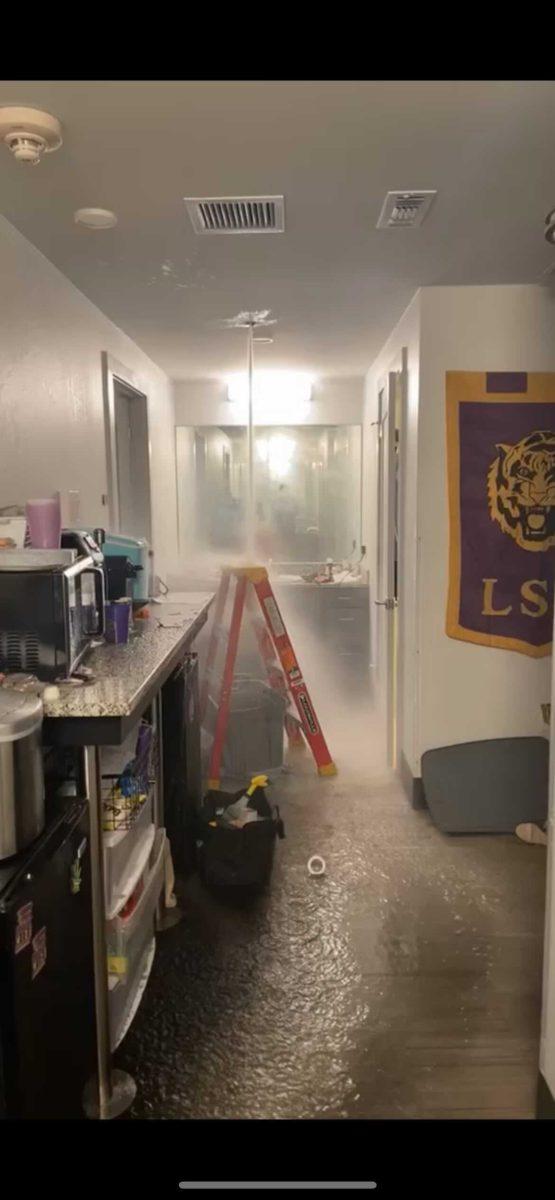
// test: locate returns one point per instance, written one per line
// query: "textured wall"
(51, 407)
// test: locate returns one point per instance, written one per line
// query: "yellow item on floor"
(256, 782)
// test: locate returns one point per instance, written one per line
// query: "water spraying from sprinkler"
(250, 321)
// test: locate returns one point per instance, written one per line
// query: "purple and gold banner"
(501, 476)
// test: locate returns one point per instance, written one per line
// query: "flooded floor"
(403, 983)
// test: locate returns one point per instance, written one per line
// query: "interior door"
(202, 506)
(390, 409)
(132, 461)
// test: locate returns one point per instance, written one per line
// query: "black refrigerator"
(182, 772)
(47, 1013)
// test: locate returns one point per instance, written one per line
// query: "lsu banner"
(501, 477)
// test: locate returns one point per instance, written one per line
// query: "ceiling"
(335, 283)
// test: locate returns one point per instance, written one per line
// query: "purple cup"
(44, 522)
(117, 619)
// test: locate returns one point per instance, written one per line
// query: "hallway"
(403, 984)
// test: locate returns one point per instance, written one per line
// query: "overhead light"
(95, 218)
(29, 133)
(278, 396)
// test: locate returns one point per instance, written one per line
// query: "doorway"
(128, 453)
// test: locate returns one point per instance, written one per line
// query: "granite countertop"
(123, 673)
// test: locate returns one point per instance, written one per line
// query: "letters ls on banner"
(501, 480)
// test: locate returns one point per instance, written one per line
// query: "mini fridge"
(47, 1011)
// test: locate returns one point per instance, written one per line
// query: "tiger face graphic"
(521, 490)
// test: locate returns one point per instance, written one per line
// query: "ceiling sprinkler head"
(248, 320)
(29, 133)
(25, 147)
(260, 318)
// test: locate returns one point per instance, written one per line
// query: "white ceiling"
(335, 283)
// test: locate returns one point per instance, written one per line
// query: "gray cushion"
(489, 786)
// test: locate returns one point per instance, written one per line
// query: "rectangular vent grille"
(237, 214)
(404, 210)
(19, 651)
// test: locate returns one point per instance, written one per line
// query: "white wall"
(334, 402)
(452, 691)
(406, 335)
(51, 404)
(470, 692)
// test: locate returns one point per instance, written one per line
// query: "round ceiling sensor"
(96, 218)
(29, 133)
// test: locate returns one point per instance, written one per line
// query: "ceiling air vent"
(404, 210)
(237, 214)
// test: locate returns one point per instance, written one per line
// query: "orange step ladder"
(251, 584)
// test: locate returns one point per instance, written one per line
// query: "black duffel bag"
(233, 856)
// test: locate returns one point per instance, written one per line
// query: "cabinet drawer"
(341, 598)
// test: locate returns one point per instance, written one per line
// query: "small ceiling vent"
(404, 210)
(237, 214)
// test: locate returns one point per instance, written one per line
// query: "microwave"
(51, 610)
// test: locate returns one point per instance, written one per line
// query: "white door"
(390, 411)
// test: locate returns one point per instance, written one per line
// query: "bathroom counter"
(126, 678)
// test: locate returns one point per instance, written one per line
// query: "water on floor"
(404, 983)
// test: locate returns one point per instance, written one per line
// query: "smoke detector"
(29, 133)
(95, 218)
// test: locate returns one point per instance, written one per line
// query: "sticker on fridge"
(38, 954)
(24, 927)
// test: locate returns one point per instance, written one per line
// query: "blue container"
(137, 550)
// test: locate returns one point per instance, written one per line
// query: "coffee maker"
(127, 566)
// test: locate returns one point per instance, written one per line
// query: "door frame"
(114, 372)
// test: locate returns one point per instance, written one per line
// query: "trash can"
(238, 854)
(255, 733)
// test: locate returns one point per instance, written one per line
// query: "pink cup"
(44, 521)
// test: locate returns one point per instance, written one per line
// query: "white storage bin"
(126, 936)
(136, 868)
(126, 995)
(120, 847)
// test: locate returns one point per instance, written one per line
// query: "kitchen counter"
(125, 677)
(337, 582)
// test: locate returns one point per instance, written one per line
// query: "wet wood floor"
(405, 983)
